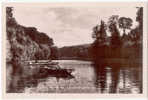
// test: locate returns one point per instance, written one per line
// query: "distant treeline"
(125, 46)
(78, 52)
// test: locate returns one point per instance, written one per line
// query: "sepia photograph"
(74, 48)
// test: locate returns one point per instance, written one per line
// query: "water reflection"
(100, 81)
(116, 79)
(88, 78)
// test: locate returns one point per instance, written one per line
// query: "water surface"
(90, 78)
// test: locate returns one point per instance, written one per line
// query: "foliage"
(137, 33)
(125, 23)
(139, 17)
(23, 43)
(10, 20)
(40, 38)
(99, 33)
(117, 46)
(54, 52)
(80, 52)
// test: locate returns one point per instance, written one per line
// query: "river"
(89, 78)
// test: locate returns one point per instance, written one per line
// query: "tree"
(113, 20)
(99, 33)
(115, 35)
(139, 19)
(99, 45)
(9, 12)
(115, 39)
(10, 20)
(125, 23)
(136, 33)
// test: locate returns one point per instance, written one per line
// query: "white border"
(92, 96)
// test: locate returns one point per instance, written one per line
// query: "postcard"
(72, 50)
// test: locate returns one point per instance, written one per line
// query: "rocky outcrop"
(23, 43)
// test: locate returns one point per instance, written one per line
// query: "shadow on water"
(115, 78)
(101, 83)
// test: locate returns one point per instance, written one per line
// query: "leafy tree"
(113, 19)
(39, 37)
(139, 17)
(99, 33)
(9, 12)
(125, 23)
(136, 33)
(10, 21)
(100, 36)
(115, 35)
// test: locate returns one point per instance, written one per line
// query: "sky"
(69, 25)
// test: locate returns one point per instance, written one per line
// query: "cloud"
(68, 26)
